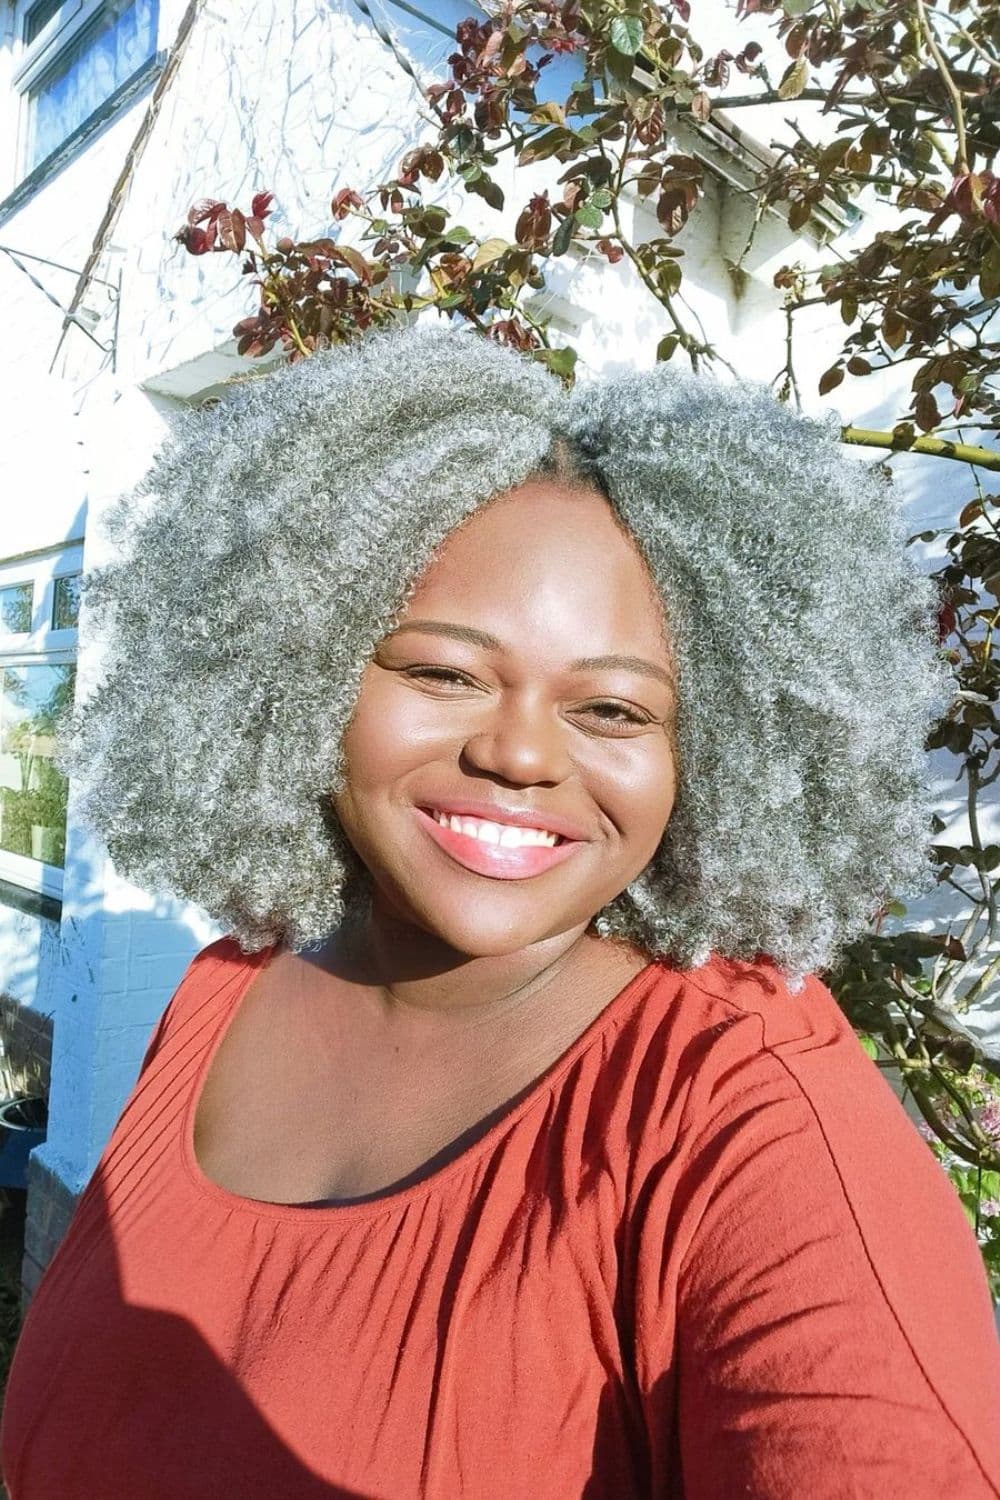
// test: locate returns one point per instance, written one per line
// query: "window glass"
(87, 71)
(66, 603)
(15, 609)
(38, 16)
(32, 791)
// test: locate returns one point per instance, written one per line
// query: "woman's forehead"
(547, 564)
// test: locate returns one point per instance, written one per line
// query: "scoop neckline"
(391, 1201)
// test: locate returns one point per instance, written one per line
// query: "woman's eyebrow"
(489, 642)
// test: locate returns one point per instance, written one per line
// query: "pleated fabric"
(706, 1256)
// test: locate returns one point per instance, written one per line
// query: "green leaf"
(794, 79)
(619, 65)
(540, 147)
(488, 252)
(833, 155)
(668, 276)
(626, 34)
(564, 235)
(559, 361)
(667, 345)
(989, 274)
(869, 1045)
(486, 188)
(549, 113)
(589, 216)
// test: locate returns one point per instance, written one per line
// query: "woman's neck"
(415, 979)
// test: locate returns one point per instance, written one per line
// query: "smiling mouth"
(496, 850)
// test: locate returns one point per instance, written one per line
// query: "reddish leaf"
(672, 210)
(355, 261)
(830, 379)
(260, 207)
(232, 230)
(345, 200)
(945, 621)
(926, 412)
(748, 56)
(534, 223)
(893, 329)
(205, 208)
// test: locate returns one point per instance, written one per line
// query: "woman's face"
(491, 697)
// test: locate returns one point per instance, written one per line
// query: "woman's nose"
(522, 743)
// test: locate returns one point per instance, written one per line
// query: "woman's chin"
(484, 942)
(481, 935)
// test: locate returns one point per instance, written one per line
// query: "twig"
(961, 164)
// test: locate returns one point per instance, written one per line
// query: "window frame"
(37, 58)
(42, 646)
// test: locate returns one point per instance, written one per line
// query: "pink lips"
(494, 859)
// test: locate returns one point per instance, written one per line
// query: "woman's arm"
(834, 1331)
(811, 1310)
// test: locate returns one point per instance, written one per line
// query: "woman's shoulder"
(209, 979)
(732, 1044)
(754, 1003)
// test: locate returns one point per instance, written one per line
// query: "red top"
(707, 1256)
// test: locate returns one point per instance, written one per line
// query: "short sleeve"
(831, 1334)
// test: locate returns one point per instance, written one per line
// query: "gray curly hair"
(278, 535)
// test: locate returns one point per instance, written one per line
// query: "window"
(39, 607)
(76, 55)
(32, 791)
(15, 608)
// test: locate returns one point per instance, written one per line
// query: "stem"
(985, 978)
(987, 886)
(964, 453)
(664, 298)
(961, 165)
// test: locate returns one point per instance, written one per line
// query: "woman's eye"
(609, 713)
(438, 674)
(618, 712)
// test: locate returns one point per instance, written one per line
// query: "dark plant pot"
(22, 1127)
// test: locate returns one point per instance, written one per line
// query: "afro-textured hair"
(278, 535)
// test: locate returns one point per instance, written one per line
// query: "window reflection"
(15, 609)
(66, 603)
(88, 70)
(32, 791)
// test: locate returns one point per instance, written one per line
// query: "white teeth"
(504, 834)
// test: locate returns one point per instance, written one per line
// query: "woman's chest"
(466, 1342)
(302, 1112)
(287, 1133)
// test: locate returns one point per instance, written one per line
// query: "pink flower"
(989, 1119)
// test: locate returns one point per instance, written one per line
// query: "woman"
(532, 748)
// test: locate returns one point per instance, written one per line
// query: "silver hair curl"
(278, 535)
